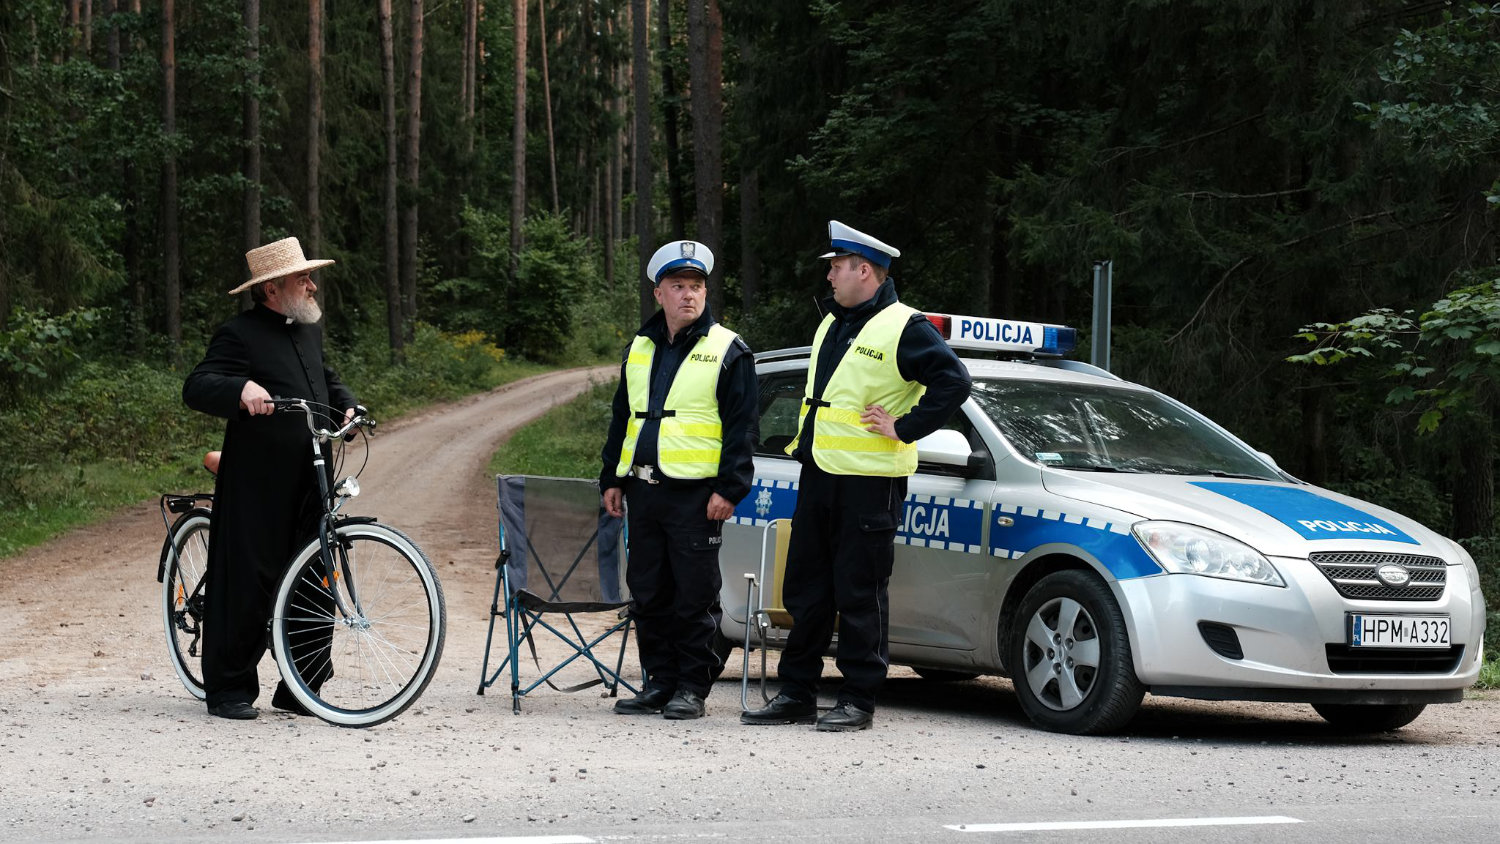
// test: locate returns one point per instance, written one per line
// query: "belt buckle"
(647, 474)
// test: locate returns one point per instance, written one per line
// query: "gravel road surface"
(99, 741)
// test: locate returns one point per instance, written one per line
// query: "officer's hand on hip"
(255, 400)
(614, 501)
(877, 421)
(719, 508)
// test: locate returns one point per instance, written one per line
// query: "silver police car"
(1094, 540)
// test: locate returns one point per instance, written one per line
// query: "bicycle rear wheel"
(358, 648)
(182, 596)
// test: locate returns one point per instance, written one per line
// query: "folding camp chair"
(767, 620)
(562, 555)
(765, 612)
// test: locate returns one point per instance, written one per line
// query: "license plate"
(1398, 631)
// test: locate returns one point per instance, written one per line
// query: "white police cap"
(680, 255)
(850, 241)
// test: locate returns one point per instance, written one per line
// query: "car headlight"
(1186, 549)
(1471, 568)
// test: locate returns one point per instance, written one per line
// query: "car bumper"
(1292, 640)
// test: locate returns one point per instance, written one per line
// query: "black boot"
(649, 702)
(781, 710)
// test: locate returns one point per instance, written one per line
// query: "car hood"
(1277, 519)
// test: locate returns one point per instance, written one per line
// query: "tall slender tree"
(640, 25)
(314, 127)
(705, 66)
(171, 278)
(518, 144)
(250, 161)
(670, 120)
(409, 255)
(396, 335)
(541, 15)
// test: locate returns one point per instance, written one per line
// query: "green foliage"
(1448, 359)
(1442, 99)
(564, 443)
(35, 347)
(439, 366)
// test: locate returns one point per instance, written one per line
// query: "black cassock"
(266, 495)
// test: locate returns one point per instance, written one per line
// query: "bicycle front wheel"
(183, 595)
(357, 645)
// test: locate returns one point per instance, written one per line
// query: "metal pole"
(1103, 284)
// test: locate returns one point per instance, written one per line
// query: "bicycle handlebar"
(361, 418)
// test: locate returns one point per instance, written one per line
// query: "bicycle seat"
(211, 462)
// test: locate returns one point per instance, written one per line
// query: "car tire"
(1069, 656)
(1369, 717)
(941, 675)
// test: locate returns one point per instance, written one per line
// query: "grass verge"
(565, 443)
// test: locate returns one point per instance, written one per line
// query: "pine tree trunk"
(171, 281)
(395, 335)
(315, 130)
(518, 144)
(250, 162)
(1474, 482)
(640, 42)
(749, 232)
(129, 249)
(541, 14)
(413, 172)
(670, 118)
(705, 66)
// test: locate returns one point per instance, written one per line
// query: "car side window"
(780, 400)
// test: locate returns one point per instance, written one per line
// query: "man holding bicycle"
(679, 449)
(266, 495)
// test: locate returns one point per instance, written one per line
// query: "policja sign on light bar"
(1004, 335)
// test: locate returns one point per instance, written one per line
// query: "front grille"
(1352, 573)
(1343, 659)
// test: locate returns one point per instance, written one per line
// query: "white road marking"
(1123, 824)
(517, 839)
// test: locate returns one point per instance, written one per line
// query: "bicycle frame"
(333, 499)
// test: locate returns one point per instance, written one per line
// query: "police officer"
(679, 449)
(879, 378)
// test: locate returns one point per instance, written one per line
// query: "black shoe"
(648, 702)
(685, 706)
(845, 718)
(287, 702)
(238, 710)
(781, 710)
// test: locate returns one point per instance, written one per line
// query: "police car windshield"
(1091, 428)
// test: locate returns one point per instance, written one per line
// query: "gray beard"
(304, 310)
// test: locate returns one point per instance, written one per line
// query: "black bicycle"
(358, 621)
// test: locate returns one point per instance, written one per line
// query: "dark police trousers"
(674, 580)
(838, 567)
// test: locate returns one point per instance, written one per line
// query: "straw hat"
(274, 260)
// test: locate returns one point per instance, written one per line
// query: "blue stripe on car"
(1311, 515)
(953, 524)
(1111, 543)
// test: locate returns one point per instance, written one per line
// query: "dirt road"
(99, 741)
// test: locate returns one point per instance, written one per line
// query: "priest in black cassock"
(266, 497)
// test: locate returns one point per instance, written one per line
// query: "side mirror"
(1268, 458)
(948, 450)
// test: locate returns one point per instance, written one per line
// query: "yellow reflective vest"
(866, 375)
(691, 436)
